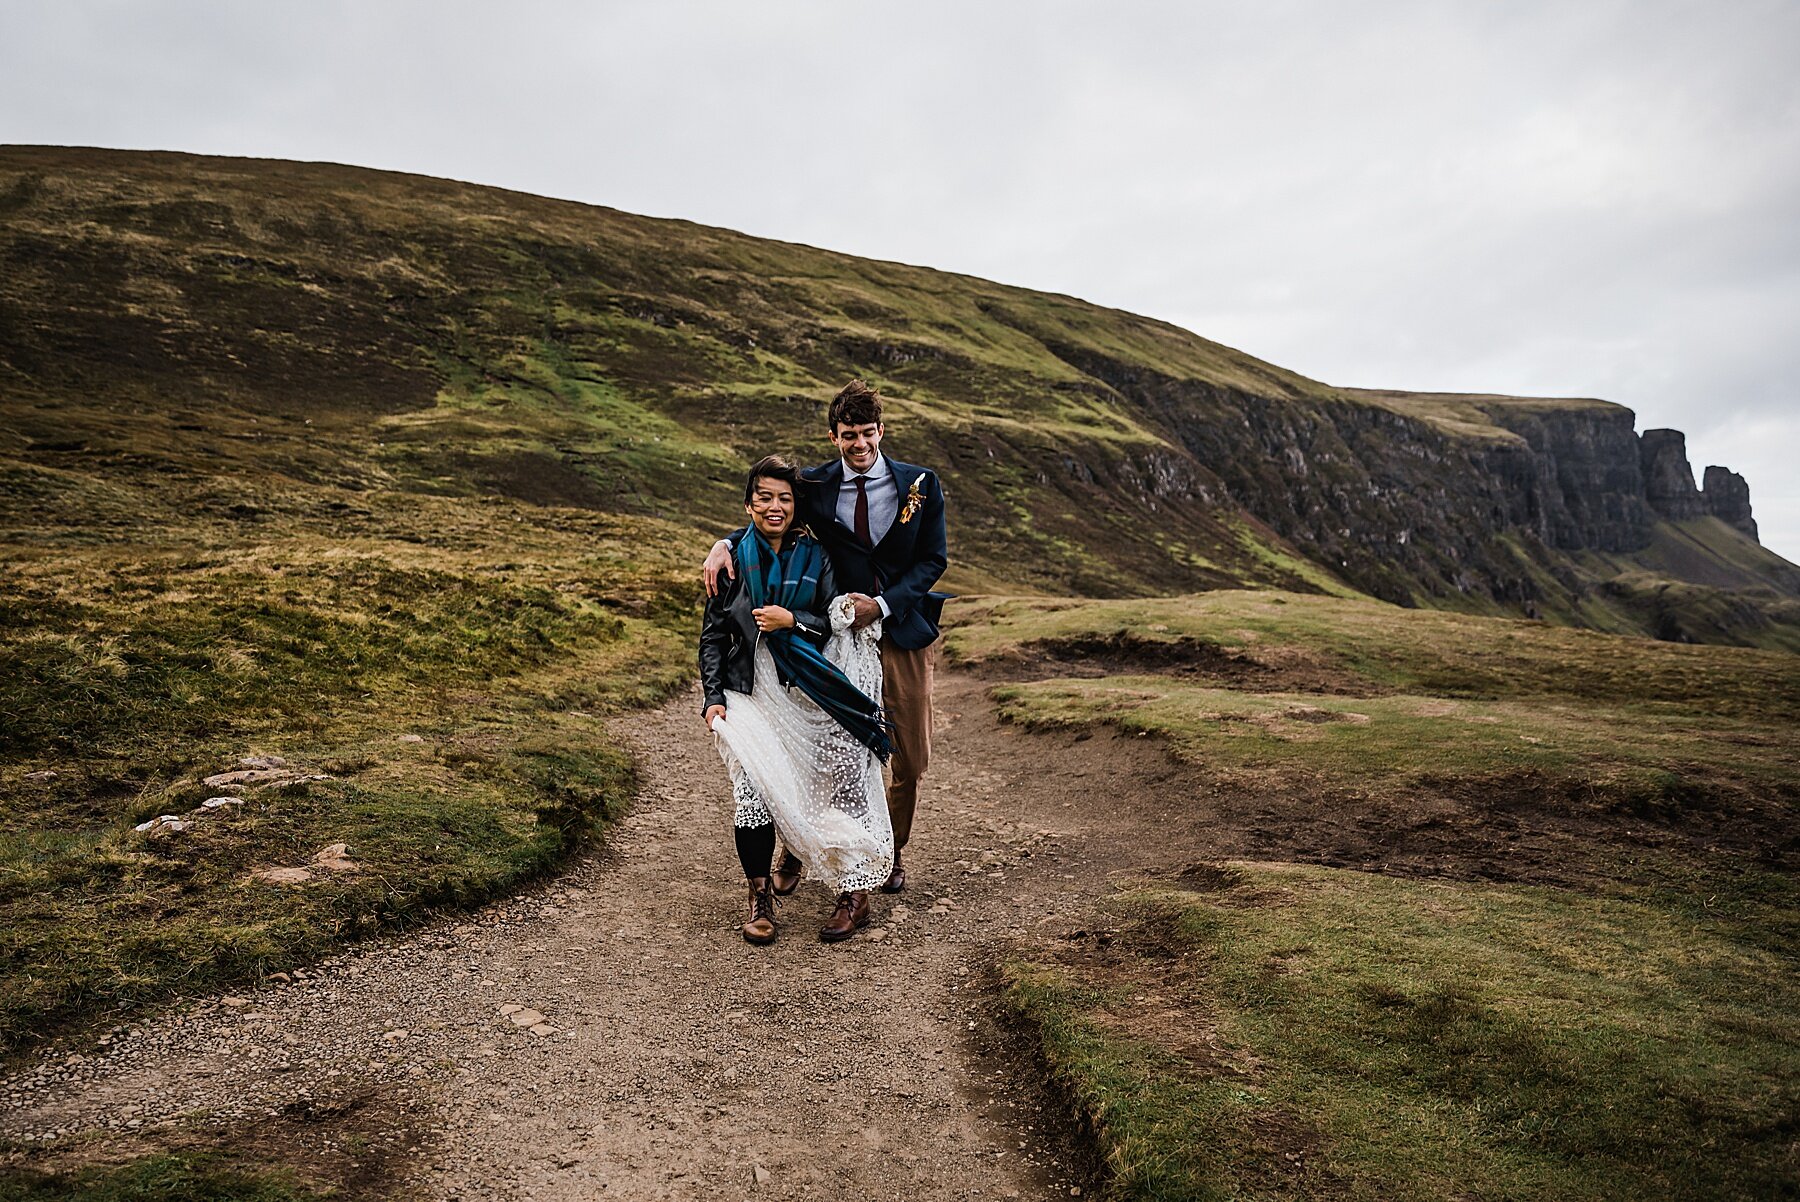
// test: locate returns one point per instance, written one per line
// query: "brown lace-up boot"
(760, 926)
(786, 877)
(851, 915)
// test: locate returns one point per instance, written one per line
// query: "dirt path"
(674, 1060)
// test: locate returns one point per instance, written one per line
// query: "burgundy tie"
(862, 511)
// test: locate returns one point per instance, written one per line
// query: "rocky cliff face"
(1668, 480)
(1669, 484)
(1408, 510)
(1727, 497)
(1576, 483)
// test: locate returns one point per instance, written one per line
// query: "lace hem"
(751, 812)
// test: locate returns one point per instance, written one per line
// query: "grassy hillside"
(313, 333)
(1541, 942)
(176, 322)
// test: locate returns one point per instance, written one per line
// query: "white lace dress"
(793, 763)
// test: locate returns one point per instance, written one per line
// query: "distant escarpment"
(187, 341)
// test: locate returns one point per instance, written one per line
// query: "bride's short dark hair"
(772, 467)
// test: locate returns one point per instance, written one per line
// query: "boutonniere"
(914, 499)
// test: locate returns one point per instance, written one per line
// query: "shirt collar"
(878, 472)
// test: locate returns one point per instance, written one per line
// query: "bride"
(793, 697)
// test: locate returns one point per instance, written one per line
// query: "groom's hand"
(717, 560)
(866, 610)
(713, 711)
(772, 617)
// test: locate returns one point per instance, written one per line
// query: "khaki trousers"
(906, 696)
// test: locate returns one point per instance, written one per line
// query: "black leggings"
(756, 848)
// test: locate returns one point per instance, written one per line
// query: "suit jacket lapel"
(827, 481)
(903, 481)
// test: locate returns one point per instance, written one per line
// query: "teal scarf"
(792, 582)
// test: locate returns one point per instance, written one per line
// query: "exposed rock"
(1668, 479)
(282, 876)
(260, 776)
(46, 774)
(1578, 482)
(1726, 496)
(334, 857)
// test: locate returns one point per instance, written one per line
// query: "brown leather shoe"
(851, 915)
(786, 877)
(760, 926)
(896, 879)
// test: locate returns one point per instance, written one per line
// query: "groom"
(882, 523)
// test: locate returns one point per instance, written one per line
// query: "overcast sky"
(1573, 199)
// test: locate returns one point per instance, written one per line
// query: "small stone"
(510, 1007)
(396, 1035)
(876, 936)
(247, 776)
(283, 876)
(334, 857)
(42, 775)
(412, 738)
(759, 1175)
(280, 976)
(542, 1029)
(219, 803)
(527, 1018)
(234, 1001)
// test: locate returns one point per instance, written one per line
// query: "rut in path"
(674, 1060)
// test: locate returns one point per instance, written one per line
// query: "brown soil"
(1264, 670)
(683, 1060)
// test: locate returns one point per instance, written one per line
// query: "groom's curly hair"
(855, 405)
(772, 467)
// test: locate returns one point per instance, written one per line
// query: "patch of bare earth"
(1261, 669)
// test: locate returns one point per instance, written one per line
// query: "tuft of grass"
(170, 1177)
(1308, 1033)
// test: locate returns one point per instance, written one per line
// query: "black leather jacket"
(728, 635)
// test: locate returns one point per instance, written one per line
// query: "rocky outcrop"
(1669, 484)
(1668, 480)
(1727, 497)
(1407, 510)
(1577, 483)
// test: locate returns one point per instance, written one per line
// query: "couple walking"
(816, 661)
